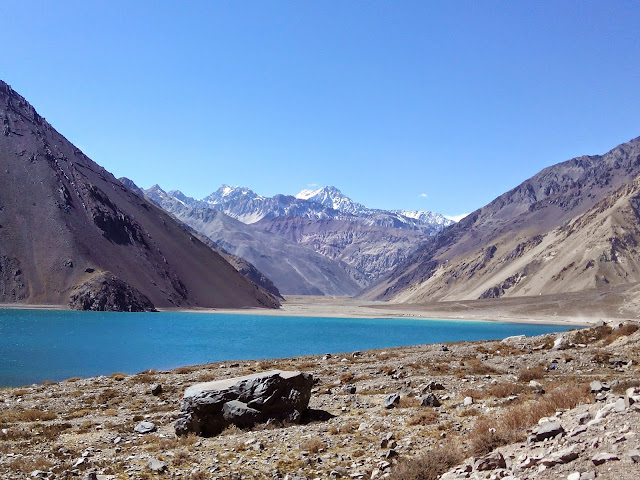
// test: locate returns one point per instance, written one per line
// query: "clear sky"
(435, 105)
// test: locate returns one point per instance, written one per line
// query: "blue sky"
(424, 105)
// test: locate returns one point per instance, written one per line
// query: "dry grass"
(346, 377)
(30, 415)
(118, 376)
(430, 465)
(512, 423)
(185, 370)
(605, 334)
(498, 390)
(29, 464)
(621, 387)
(531, 373)
(313, 445)
(423, 417)
(474, 366)
(408, 402)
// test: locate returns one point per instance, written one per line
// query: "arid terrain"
(490, 395)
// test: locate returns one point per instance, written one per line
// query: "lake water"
(38, 345)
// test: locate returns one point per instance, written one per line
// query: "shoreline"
(344, 307)
(329, 307)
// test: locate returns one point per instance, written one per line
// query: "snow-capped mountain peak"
(331, 197)
(227, 193)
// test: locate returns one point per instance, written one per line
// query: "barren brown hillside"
(70, 230)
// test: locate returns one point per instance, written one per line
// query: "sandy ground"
(521, 310)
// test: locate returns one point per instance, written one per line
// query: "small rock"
(619, 406)
(467, 401)
(156, 465)
(597, 386)
(430, 400)
(584, 418)
(392, 400)
(630, 396)
(351, 389)
(560, 457)
(433, 386)
(546, 430)
(445, 348)
(90, 476)
(156, 389)
(588, 476)
(145, 427)
(534, 384)
(492, 461)
(634, 455)
(38, 474)
(574, 476)
(604, 457)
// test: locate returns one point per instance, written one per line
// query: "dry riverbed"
(491, 394)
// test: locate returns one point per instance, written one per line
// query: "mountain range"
(316, 243)
(572, 227)
(73, 235)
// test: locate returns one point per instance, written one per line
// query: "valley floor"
(582, 308)
(490, 395)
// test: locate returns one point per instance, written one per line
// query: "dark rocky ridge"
(64, 219)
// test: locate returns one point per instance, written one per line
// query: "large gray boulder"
(208, 408)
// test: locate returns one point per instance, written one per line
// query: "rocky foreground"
(548, 407)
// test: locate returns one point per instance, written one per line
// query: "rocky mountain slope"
(462, 410)
(369, 249)
(571, 227)
(294, 269)
(322, 234)
(71, 234)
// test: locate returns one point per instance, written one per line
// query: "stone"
(630, 396)
(491, 461)
(619, 406)
(634, 455)
(90, 476)
(546, 430)
(597, 386)
(145, 427)
(392, 400)
(574, 476)
(534, 384)
(560, 457)
(351, 389)
(156, 465)
(209, 408)
(514, 339)
(588, 476)
(430, 400)
(434, 386)
(559, 343)
(467, 401)
(391, 454)
(604, 457)
(156, 389)
(584, 418)
(38, 474)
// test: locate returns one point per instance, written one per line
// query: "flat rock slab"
(208, 408)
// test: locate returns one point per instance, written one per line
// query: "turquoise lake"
(38, 345)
